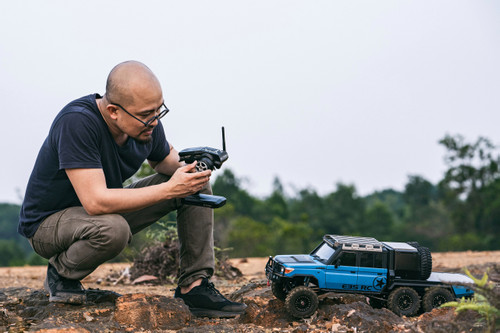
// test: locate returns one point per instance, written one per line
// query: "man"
(76, 213)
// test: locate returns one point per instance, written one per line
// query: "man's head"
(133, 97)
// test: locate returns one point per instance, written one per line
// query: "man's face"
(139, 120)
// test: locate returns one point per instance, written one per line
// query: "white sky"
(315, 92)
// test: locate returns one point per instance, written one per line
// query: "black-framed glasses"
(161, 112)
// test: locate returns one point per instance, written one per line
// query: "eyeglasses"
(162, 111)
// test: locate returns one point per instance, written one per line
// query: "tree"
(470, 187)
(229, 186)
(419, 192)
(11, 254)
(276, 204)
(379, 221)
(426, 218)
(344, 211)
(470, 166)
(9, 218)
(290, 237)
(393, 199)
(308, 207)
(250, 238)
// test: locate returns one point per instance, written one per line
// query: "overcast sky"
(314, 92)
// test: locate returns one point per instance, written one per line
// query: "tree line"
(460, 212)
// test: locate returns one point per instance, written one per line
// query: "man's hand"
(96, 198)
(186, 181)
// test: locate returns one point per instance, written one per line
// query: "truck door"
(342, 273)
(372, 273)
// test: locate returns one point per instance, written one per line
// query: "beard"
(143, 141)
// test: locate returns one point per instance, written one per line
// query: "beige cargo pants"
(76, 243)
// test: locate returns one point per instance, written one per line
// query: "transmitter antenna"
(223, 139)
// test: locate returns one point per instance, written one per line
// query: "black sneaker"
(63, 290)
(206, 301)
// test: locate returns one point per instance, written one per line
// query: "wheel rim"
(405, 302)
(303, 303)
(438, 300)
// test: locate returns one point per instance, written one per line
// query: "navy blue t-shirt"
(79, 138)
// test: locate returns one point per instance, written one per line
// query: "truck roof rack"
(355, 243)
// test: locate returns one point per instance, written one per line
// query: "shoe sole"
(214, 313)
(67, 298)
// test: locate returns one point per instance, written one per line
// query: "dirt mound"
(24, 309)
(24, 305)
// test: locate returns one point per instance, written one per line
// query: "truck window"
(370, 259)
(324, 252)
(348, 259)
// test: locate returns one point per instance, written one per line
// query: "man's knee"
(207, 189)
(114, 234)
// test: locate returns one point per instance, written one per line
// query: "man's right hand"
(186, 181)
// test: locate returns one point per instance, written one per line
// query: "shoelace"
(213, 290)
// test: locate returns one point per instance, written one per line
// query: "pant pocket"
(39, 248)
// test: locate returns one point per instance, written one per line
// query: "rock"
(362, 316)
(97, 296)
(272, 315)
(447, 320)
(151, 312)
(4, 317)
(256, 288)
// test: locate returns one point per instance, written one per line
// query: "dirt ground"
(24, 305)
(252, 269)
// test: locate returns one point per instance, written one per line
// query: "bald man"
(76, 212)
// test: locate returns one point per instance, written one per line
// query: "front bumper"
(274, 270)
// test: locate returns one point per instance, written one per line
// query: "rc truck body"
(396, 275)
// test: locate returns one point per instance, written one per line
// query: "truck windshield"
(323, 253)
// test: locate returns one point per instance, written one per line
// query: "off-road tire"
(414, 244)
(278, 289)
(301, 302)
(435, 297)
(404, 301)
(425, 262)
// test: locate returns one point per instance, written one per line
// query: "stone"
(151, 312)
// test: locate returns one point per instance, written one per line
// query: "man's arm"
(96, 198)
(169, 164)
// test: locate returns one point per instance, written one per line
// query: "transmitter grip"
(204, 200)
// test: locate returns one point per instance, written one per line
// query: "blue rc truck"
(396, 275)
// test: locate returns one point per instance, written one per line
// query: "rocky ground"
(117, 303)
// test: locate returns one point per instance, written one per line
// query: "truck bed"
(449, 278)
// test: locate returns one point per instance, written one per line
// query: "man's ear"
(112, 111)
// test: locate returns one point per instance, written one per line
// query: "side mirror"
(337, 263)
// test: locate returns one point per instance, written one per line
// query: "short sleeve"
(77, 140)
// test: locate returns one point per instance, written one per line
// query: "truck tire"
(404, 301)
(278, 289)
(301, 302)
(414, 244)
(435, 297)
(425, 262)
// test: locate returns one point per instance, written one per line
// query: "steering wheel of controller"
(204, 163)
